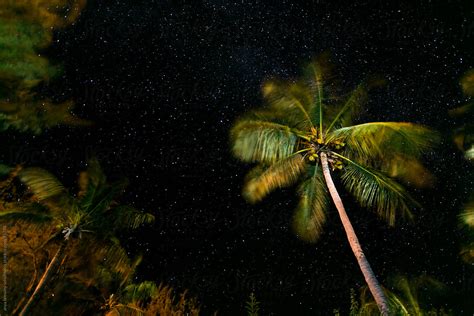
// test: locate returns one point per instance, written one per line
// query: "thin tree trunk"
(29, 289)
(374, 285)
(50, 270)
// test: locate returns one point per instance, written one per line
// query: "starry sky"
(164, 80)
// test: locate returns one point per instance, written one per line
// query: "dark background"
(163, 81)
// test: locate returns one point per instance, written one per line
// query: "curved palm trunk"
(50, 270)
(364, 265)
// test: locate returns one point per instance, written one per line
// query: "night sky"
(164, 80)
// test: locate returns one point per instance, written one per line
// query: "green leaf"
(316, 74)
(291, 99)
(467, 83)
(372, 189)
(264, 179)
(130, 218)
(467, 216)
(114, 257)
(409, 170)
(310, 214)
(252, 305)
(469, 154)
(41, 183)
(14, 215)
(136, 293)
(259, 141)
(352, 106)
(379, 140)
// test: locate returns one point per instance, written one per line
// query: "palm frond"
(315, 74)
(291, 99)
(259, 141)
(462, 110)
(42, 184)
(372, 189)
(381, 139)
(409, 170)
(92, 184)
(93, 177)
(127, 217)
(115, 257)
(310, 214)
(467, 217)
(369, 307)
(293, 119)
(352, 106)
(469, 154)
(31, 217)
(262, 180)
(98, 200)
(467, 252)
(141, 292)
(467, 83)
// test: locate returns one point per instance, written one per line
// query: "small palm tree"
(93, 211)
(305, 135)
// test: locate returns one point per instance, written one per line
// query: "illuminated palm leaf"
(292, 100)
(316, 75)
(310, 214)
(140, 292)
(129, 217)
(292, 119)
(259, 141)
(409, 170)
(404, 298)
(373, 189)
(467, 83)
(262, 180)
(114, 256)
(470, 153)
(365, 142)
(467, 219)
(352, 106)
(24, 215)
(42, 183)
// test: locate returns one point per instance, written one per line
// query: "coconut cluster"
(315, 145)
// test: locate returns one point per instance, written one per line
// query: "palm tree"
(305, 135)
(92, 212)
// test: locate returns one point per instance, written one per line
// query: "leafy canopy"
(306, 117)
